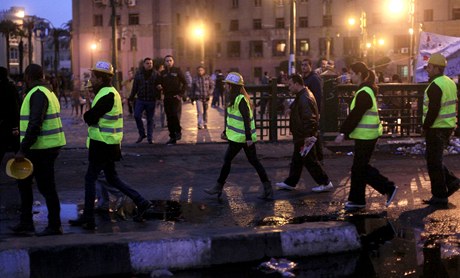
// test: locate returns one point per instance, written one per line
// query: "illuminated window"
(279, 48)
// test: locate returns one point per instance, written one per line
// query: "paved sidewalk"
(206, 232)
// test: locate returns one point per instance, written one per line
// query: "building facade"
(252, 36)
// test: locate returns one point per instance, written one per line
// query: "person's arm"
(244, 110)
(211, 88)
(362, 104)
(103, 105)
(38, 107)
(434, 106)
(183, 81)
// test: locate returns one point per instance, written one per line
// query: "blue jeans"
(149, 108)
(94, 168)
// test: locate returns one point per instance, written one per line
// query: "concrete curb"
(81, 255)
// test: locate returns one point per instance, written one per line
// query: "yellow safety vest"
(51, 134)
(235, 124)
(447, 116)
(369, 127)
(109, 129)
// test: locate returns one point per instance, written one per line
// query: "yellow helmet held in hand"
(234, 78)
(19, 169)
(104, 67)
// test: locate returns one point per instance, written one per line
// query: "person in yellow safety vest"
(240, 131)
(105, 132)
(41, 137)
(439, 120)
(363, 125)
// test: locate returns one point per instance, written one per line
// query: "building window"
(303, 22)
(279, 47)
(428, 15)
(178, 21)
(257, 24)
(133, 43)
(401, 43)
(218, 49)
(258, 72)
(235, 4)
(327, 20)
(303, 47)
(455, 13)
(117, 20)
(217, 26)
(323, 42)
(14, 54)
(279, 3)
(351, 46)
(233, 49)
(119, 44)
(133, 19)
(97, 20)
(279, 23)
(256, 49)
(258, 3)
(234, 25)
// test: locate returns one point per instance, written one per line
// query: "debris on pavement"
(282, 266)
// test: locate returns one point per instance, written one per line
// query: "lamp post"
(199, 32)
(113, 20)
(363, 25)
(411, 38)
(292, 38)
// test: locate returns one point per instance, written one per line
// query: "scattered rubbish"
(419, 149)
(282, 266)
(161, 273)
(350, 153)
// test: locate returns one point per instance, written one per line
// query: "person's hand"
(19, 156)
(15, 131)
(249, 142)
(339, 138)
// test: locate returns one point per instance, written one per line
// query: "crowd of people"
(31, 126)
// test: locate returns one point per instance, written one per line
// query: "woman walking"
(241, 134)
(363, 125)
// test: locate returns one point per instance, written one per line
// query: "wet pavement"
(174, 177)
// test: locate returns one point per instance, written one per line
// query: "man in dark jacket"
(303, 124)
(9, 114)
(174, 85)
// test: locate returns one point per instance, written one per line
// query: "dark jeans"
(310, 162)
(436, 141)
(232, 150)
(363, 173)
(172, 109)
(94, 168)
(43, 161)
(149, 108)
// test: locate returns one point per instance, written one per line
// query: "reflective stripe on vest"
(51, 134)
(109, 129)
(369, 127)
(235, 125)
(447, 116)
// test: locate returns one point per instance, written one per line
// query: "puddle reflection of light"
(176, 191)
(189, 195)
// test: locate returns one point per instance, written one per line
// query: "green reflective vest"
(369, 127)
(51, 134)
(109, 129)
(235, 124)
(447, 116)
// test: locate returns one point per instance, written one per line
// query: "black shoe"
(150, 142)
(23, 228)
(140, 139)
(453, 187)
(48, 231)
(171, 142)
(139, 217)
(178, 136)
(436, 201)
(85, 224)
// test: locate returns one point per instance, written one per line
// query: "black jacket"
(304, 118)
(173, 82)
(144, 86)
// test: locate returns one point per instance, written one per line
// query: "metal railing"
(400, 108)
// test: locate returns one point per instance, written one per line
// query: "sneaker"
(85, 224)
(23, 228)
(353, 205)
(178, 136)
(391, 195)
(436, 201)
(48, 231)
(323, 188)
(282, 185)
(171, 142)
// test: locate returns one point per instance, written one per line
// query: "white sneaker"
(282, 185)
(323, 188)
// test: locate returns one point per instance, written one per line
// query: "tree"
(57, 34)
(8, 28)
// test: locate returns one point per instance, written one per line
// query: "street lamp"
(199, 32)
(292, 38)
(93, 48)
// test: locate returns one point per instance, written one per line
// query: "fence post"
(272, 125)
